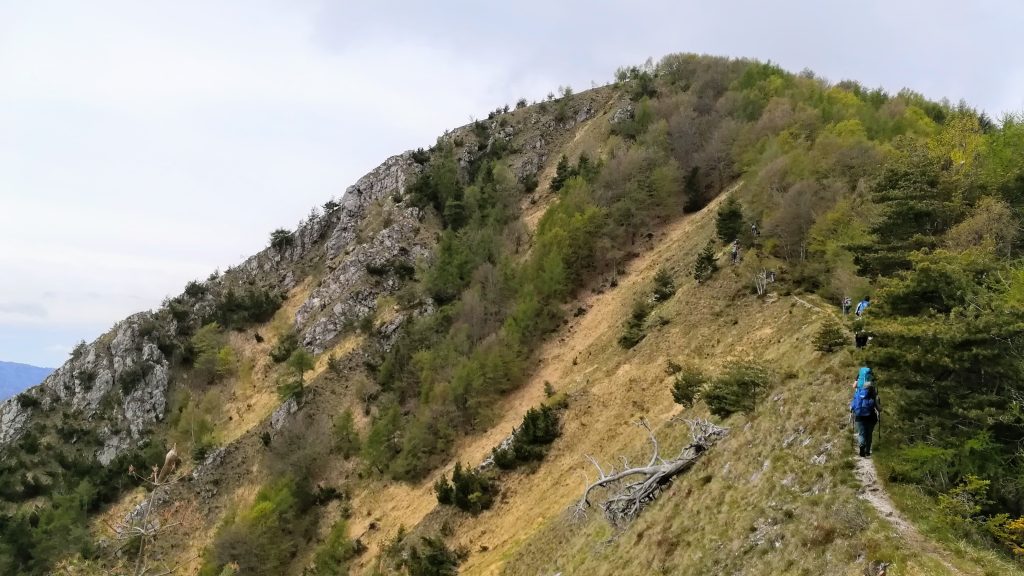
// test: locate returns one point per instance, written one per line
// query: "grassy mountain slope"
(320, 395)
(776, 496)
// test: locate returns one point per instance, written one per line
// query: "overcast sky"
(145, 144)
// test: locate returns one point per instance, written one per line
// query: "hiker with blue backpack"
(862, 306)
(865, 409)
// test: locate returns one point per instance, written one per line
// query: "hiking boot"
(863, 452)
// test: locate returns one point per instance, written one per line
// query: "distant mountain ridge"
(15, 377)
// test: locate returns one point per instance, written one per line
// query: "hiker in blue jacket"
(865, 409)
(862, 306)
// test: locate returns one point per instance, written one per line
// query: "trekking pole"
(879, 426)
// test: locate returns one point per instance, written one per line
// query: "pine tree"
(687, 385)
(729, 224)
(915, 209)
(664, 285)
(705, 265)
(562, 173)
(830, 337)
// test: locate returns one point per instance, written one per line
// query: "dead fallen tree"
(630, 489)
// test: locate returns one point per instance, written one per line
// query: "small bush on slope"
(738, 389)
(433, 558)
(263, 539)
(531, 440)
(688, 384)
(333, 556)
(830, 337)
(705, 264)
(468, 490)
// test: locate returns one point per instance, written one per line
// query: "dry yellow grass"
(777, 496)
(252, 395)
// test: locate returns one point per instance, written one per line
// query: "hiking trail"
(874, 493)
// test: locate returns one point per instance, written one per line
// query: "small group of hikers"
(860, 337)
(865, 409)
(862, 306)
(734, 248)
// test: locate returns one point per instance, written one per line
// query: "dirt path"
(874, 493)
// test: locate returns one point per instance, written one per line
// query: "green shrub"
(195, 289)
(433, 558)
(290, 389)
(281, 239)
(346, 437)
(131, 376)
(635, 330)
(26, 400)
(235, 310)
(420, 156)
(634, 127)
(214, 358)
(563, 171)
(967, 499)
(468, 490)
(264, 538)
(284, 347)
(664, 285)
(301, 362)
(921, 463)
(705, 265)
(529, 183)
(549, 390)
(332, 557)
(739, 389)
(729, 220)
(830, 337)
(530, 442)
(687, 385)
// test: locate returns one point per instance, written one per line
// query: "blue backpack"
(863, 403)
(863, 377)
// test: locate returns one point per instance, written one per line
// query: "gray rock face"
(584, 113)
(126, 365)
(364, 271)
(212, 462)
(388, 179)
(623, 114)
(280, 416)
(13, 419)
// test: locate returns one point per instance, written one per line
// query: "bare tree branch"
(631, 489)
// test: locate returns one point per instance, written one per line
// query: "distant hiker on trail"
(846, 303)
(864, 376)
(753, 230)
(865, 410)
(735, 251)
(862, 306)
(860, 339)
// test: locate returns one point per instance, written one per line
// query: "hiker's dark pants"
(865, 428)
